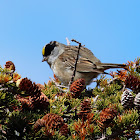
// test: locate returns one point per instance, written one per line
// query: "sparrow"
(61, 59)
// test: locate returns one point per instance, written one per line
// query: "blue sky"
(109, 28)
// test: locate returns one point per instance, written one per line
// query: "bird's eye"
(47, 49)
(53, 43)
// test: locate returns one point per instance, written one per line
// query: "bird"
(61, 59)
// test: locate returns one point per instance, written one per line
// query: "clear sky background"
(109, 28)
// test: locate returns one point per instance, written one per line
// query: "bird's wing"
(86, 62)
(84, 52)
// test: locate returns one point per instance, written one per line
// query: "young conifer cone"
(127, 99)
(39, 124)
(26, 85)
(85, 109)
(137, 101)
(133, 83)
(51, 122)
(38, 99)
(29, 87)
(77, 87)
(107, 115)
(25, 102)
(138, 69)
(64, 129)
(10, 65)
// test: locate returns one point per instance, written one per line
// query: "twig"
(74, 71)
(124, 86)
(109, 82)
(59, 86)
(95, 99)
(4, 89)
(73, 40)
(111, 136)
(68, 42)
(1, 85)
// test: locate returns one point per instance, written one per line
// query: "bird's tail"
(105, 66)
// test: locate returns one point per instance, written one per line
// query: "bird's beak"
(44, 59)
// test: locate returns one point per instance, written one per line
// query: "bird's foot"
(60, 87)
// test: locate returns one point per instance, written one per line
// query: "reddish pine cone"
(77, 87)
(10, 65)
(40, 86)
(64, 129)
(85, 109)
(53, 121)
(25, 84)
(32, 103)
(39, 124)
(107, 115)
(29, 87)
(38, 99)
(133, 83)
(40, 102)
(50, 121)
(86, 105)
(25, 102)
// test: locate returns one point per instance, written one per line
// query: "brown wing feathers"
(87, 62)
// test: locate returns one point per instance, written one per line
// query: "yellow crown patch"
(43, 51)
